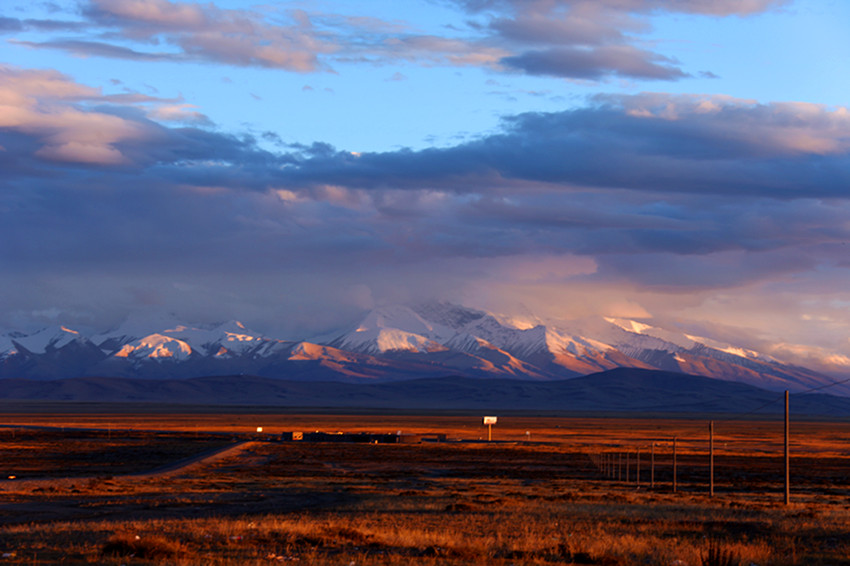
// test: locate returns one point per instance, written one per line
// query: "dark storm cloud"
(700, 145)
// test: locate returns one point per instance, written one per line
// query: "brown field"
(145, 487)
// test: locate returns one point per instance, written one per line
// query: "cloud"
(646, 204)
(155, 13)
(42, 104)
(10, 25)
(84, 48)
(183, 112)
(295, 40)
(577, 39)
(204, 32)
(585, 39)
(65, 121)
(596, 63)
(651, 142)
(702, 7)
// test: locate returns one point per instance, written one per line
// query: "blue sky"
(293, 163)
(792, 52)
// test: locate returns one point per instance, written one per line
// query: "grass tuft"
(152, 547)
(718, 555)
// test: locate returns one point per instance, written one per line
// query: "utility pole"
(652, 466)
(787, 455)
(637, 471)
(711, 459)
(675, 486)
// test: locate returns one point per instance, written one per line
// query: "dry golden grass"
(453, 503)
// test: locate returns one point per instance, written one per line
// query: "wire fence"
(668, 463)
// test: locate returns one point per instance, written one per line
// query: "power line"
(782, 397)
(830, 384)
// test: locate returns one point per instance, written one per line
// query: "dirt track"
(161, 472)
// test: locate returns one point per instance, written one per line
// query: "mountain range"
(622, 390)
(393, 343)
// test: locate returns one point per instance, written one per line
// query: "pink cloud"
(781, 128)
(154, 12)
(54, 110)
(206, 32)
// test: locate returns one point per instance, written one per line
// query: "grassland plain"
(97, 487)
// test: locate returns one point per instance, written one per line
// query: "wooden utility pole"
(652, 466)
(619, 466)
(787, 455)
(675, 484)
(711, 459)
(637, 470)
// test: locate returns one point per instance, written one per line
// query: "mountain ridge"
(392, 343)
(623, 390)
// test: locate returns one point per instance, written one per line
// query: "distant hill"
(618, 390)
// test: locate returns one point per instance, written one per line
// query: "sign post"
(490, 421)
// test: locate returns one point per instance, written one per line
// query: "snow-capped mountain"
(391, 343)
(557, 351)
(52, 351)
(48, 339)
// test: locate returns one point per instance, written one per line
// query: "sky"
(291, 164)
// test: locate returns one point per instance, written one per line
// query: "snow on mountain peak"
(730, 349)
(672, 337)
(630, 325)
(396, 317)
(52, 337)
(380, 340)
(429, 337)
(156, 346)
(136, 325)
(395, 328)
(7, 348)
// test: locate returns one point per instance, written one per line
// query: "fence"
(623, 463)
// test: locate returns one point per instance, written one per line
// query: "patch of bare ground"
(453, 503)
